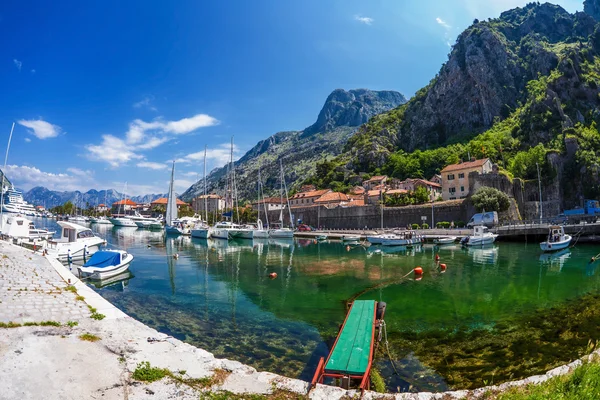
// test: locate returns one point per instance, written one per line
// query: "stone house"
(304, 199)
(455, 177)
(374, 182)
(214, 203)
(271, 203)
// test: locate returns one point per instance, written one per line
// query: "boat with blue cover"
(104, 264)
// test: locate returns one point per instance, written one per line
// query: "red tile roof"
(428, 183)
(125, 202)
(358, 190)
(465, 165)
(377, 178)
(332, 197)
(372, 193)
(313, 193)
(271, 200)
(396, 191)
(101, 205)
(164, 200)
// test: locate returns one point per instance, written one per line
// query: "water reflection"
(554, 262)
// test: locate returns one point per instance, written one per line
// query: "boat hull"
(122, 222)
(260, 234)
(107, 272)
(241, 233)
(476, 241)
(281, 233)
(448, 240)
(201, 233)
(555, 246)
(74, 252)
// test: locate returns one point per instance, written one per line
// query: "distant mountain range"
(50, 198)
(299, 151)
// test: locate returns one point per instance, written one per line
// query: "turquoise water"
(492, 306)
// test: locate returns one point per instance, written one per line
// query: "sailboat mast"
(4, 176)
(205, 199)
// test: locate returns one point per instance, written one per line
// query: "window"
(452, 190)
(450, 177)
(461, 175)
(462, 188)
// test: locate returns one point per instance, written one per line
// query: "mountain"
(299, 151)
(49, 198)
(519, 89)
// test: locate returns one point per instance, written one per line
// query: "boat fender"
(348, 248)
(443, 267)
(273, 275)
(381, 305)
(149, 246)
(176, 256)
(437, 257)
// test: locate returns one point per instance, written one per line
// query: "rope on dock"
(387, 347)
(578, 235)
(378, 286)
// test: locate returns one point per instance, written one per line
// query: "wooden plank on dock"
(353, 347)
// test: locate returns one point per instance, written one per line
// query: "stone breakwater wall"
(370, 216)
(124, 343)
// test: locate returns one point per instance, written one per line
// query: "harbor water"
(495, 314)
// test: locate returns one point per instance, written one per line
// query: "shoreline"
(130, 343)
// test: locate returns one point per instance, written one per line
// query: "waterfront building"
(159, 206)
(123, 207)
(214, 203)
(434, 189)
(303, 199)
(436, 179)
(101, 208)
(373, 196)
(333, 199)
(271, 204)
(455, 177)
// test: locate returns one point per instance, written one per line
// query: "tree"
(490, 199)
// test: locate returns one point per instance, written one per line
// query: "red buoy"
(443, 267)
(437, 257)
(273, 275)
(418, 273)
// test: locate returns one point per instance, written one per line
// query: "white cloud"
(181, 185)
(364, 20)
(143, 135)
(151, 165)
(191, 174)
(137, 190)
(26, 177)
(146, 102)
(216, 157)
(18, 64)
(27, 140)
(442, 23)
(112, 150)
(40, 128)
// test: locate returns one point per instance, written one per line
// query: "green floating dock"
(352, 350)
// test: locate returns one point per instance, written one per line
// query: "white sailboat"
(259, 231)
(279, 231)
(122, 221)
(201, 230)
(172, 226)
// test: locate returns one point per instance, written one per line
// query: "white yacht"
(19, 227)
(100, 221)
(75, 242)
(259, 232)
(122, 221)
(557, 239)
(279, 231)
(480, 237)
(201, 230)
(14, 203)
(229, 230)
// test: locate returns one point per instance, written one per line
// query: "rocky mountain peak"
(592, 8)
(353, 108)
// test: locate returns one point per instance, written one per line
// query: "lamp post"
(540, 188)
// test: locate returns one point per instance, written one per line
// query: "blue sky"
(109, 92)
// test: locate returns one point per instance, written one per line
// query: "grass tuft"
(89, 337)
(146, 373)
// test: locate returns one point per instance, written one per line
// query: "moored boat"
(444, 240)
(480, 237)
(122, 221)
(75, 242)
(557, 239)
(104, 264)
(321, 237)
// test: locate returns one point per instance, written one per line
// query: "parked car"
(560, 219)
(488, 219)
(304, 228)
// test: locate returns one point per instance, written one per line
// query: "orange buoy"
(273, 275)
(347, 248)
(418, 273)
(437, 257)
(443, 267)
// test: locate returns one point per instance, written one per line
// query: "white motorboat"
(20, 227)
(557, 239)
(229, 230)
(281, 232)
(259, 232)
(14, 203)
(444, 240)
(79, 219)
(480, 237)
(201, 230)
(75, 242)
(106, 263)
(100, 221)
(122, 221)
(350, 238)
(143, 223)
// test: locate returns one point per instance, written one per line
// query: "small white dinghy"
(557, 239)
(444, 240)
(106, 263)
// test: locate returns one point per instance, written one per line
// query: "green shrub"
(490, 199)
(425, 226)
(415, 226)
(443, 225)
(459, 224)
(146, 373)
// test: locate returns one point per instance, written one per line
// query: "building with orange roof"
(270, 203)
(434, 189)
(373, 196)
(304, 199)
(332, 199)
(123, 207)
(455, 177)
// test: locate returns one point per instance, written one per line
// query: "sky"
(105, 95)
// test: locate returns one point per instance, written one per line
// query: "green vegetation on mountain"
(520, 89)
(490, 199)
